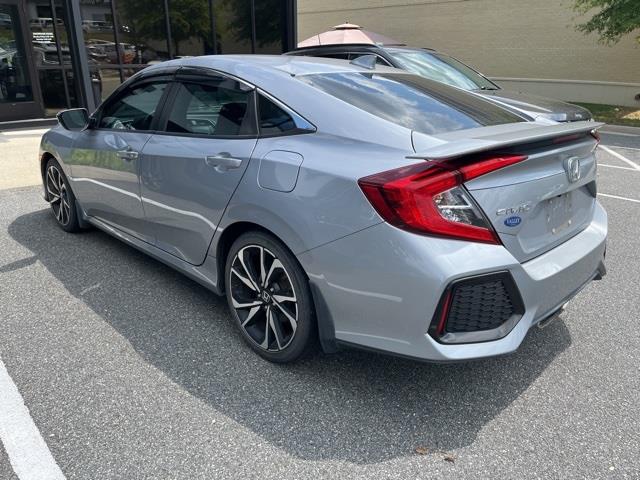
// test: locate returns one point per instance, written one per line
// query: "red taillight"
(428, 198)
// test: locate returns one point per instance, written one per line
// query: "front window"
(441, 68)
(412, 101)
(135, 109)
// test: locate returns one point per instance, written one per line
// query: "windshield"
(412, 101)
(441, 68)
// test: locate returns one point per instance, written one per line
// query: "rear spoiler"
(458, 148)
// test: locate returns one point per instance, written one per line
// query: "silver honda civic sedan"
(337, 204)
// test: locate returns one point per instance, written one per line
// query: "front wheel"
(60, 197)
(268, 294)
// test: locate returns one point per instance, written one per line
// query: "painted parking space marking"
(626, 148)
(28, 453)
(634, 200)
(634, 165)
(617, 166)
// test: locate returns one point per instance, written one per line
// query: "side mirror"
(76, 119)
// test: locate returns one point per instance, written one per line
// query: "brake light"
(428, 198)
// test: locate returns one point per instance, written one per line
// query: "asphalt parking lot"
(130, 370)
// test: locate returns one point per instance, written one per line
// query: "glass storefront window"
(271, 32)
(120, 38)
(142, 31)
(233, 26)
(15, 84)
(97, 30)
(108, 81)
(53, 92)
(190, 27)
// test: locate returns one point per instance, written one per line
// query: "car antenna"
(365, 61)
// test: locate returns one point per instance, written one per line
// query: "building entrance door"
(18, 97)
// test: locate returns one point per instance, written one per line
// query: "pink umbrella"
(348, 33)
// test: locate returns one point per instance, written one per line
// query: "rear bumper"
(379, 288)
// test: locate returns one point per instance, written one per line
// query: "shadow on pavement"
(351, 406)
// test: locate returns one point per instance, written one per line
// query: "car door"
(193, 164)
(105, 159)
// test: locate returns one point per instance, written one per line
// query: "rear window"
(412, 101)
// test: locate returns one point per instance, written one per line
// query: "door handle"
(222, 162)
(128, 155)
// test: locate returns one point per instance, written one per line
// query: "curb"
(33, 123)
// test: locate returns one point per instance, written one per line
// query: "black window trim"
(126, 88)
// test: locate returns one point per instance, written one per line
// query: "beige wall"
(518, 39)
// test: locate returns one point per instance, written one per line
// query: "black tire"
(60, 197)
(284, 343)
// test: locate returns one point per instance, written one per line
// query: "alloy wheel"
(263, 297)
(58, 195)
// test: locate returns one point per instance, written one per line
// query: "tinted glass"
(98, 32)
(273, 119)
(441, 68)
(142, 31)
(52, 88)
(233, 26)
(412, 101)
(134, 110)
(15, 83)
(220, 109)
(190, 27)
(271, 30)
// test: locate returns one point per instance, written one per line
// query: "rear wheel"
(269, 297)
(60, 197)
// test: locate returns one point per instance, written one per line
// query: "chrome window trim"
(301, 122)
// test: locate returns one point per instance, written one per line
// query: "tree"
(615, 18)
(145, 20)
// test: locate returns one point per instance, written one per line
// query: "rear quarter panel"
(326, 202)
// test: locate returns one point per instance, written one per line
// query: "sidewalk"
(19, 165)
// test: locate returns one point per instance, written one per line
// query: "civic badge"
(572, 166)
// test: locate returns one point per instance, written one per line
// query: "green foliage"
(613, 114)
(269, 21)
(189, 18)
(614, 19)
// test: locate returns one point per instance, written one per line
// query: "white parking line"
(620, 157)
(624, 148)
(619, 198)
(617, 166)
(28, 453)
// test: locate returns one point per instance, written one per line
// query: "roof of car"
(253, 67)
(363, 46)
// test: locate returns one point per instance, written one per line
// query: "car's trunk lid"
(540, 202)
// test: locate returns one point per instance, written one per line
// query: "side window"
(216, 108)
(339, 56)
(134, 109)
(273, 119)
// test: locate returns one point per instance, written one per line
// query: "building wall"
(525, 44)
